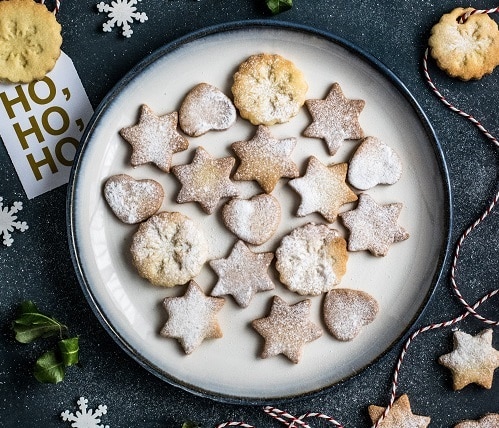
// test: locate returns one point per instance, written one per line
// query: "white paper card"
(41, 124)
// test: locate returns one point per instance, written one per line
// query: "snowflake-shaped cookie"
(9, 222)
(121, 13)
(85, 417)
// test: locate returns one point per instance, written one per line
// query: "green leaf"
(189, 424)
(31, 324)
(278, 6)
(49, 368)
(69, 349)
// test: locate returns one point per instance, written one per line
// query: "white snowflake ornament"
(121, 13)
(8, 222)
(85, 418)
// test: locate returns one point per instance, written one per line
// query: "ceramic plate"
(230, 368)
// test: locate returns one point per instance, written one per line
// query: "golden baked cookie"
(154, 139)
(323, 189)
(467, 50)
(30, 40)
(346, 311)
(473, 359)
(268, 89)
(168, 249)
(192, 318)
(265, 159)
(242, 274)
(335, 119)
(400, 415)
(373, 227)
(206, 108)
(373, 163)
(133, 201)
(490, 420)
(287, 329)
(311, 259)
(253, 220)
(205, 180)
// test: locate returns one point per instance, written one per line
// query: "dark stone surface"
(38, 265)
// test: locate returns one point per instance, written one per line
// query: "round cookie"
(206, 108)
(268, 89)
(30, 41)
(168, 249)
(311, 259)
(467, 50)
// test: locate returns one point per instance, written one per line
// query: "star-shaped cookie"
(473, 359)
(192, 317)
(373, 227)
(488, 421)
(205, 180)
(335, 119)
(265, 159)
(323, 189)
(400, 415)
(242, 274)
(287, 329)
(154, 139)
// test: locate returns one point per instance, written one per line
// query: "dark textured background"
(38, 265)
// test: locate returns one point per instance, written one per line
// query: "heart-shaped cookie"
(253, 220)
(133, 201)
(374, 163)
(206, 108)
(346, 311)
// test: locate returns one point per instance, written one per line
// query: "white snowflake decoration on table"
(8, 221)
(121, 13)
(85, 418)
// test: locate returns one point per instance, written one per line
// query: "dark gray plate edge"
(169, 47)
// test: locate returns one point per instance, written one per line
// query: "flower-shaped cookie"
(30, 41)
(467, 50)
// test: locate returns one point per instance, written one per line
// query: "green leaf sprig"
(278, 6)
(31, 325)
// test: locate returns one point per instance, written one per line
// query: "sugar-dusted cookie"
(265, 159)
(335, 119)
(287, 329)
(133, 201)
(154, 139)
(30, 41)
(205, 180)
(467, 50)
(373, 227)
(168, 249)
(192, 318)
(323, 189)
(268, 89)
(346, 311)
(253, 220)
(400, 415)
(311, 259)
(242, 274)
(488, 421)
(206, 108)
(373, 163)
(473, 359)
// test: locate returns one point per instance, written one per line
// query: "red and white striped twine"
(57, 6)
(295, 422)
